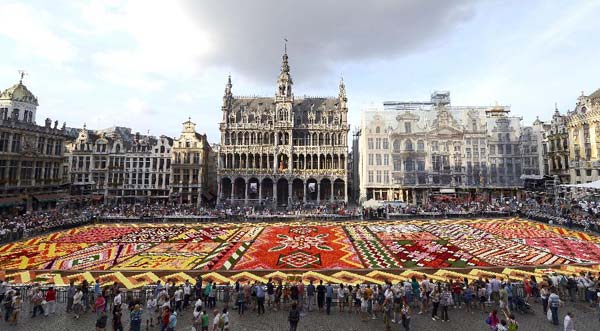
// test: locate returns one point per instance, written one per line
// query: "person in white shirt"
(216, 318)
(568, 322)
(178, 299)
(117, 301)
(77, 305)
(152, 311)
(187, 293)
(198, 303)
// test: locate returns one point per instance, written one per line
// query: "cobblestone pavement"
(586, 319)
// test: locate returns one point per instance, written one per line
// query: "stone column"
(332, 193)
(346, 191)
(232, 192)
(304, 191)
(219, 191)
(260, 190)
(246, 193)
(275, 192)
(318, 192)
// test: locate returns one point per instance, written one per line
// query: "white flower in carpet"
(302, 242)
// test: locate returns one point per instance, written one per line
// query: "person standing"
(178, 299)
(568, 322)
(310, 294)
(328, 298)
(198, 288)
(172, 321)
(117, 322)
(158, 289)
(36, 302)
(260, 298)
(553, 303)
(135, 318)
(225, 317)
(187, 293)
(435, 300)
(204, 320)
(544, 296)
(101, 321)
(241, 301)
(406, 317)
(77, 304)
(70, 294)
(16, 309)
(270, 293)
(294, 317)
(320, 295)
(216, 320)
(97, 291)
(445, 301)
(50, 301)
(85, 299)
(151, 307)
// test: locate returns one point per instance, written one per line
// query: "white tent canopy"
(592, 185)
(373, 204)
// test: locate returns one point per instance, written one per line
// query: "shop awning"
(49, 197)
(11, 201)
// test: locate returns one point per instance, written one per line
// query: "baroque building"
(283, 150)
(31, 156)
(193, 161)
(556, 148)
(583, 125)
(413, 151)
(116, 165)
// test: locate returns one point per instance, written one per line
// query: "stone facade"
(583, 125)
(31, 156)
(116, 165)
(411, 151)
(193, 159)
(283, 150)
(556, 148)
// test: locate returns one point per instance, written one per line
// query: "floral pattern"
(468, 243)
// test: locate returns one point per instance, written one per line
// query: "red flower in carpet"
(301, 242)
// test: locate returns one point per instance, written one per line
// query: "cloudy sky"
(150, 64)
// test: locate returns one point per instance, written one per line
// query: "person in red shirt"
(50, 301)
(99, 306)
(457, 293)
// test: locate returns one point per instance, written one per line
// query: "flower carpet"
(303, 247)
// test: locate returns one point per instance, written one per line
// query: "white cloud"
(32, 35)
(138, 106)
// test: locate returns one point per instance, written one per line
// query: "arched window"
(408, 145)
(397, 144)
(377, 130)
(420, 145)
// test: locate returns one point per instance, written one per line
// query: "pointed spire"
(284, 83)
(228, 86)
(342, 88)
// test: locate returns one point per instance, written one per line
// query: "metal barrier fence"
(140, 296)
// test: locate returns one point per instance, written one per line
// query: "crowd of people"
(163, 306)
(576, 213)
(15, 227)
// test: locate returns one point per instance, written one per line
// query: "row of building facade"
(413, 151)
(285, 150)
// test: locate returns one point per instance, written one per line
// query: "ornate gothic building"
(283, 150)
(31, 155)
